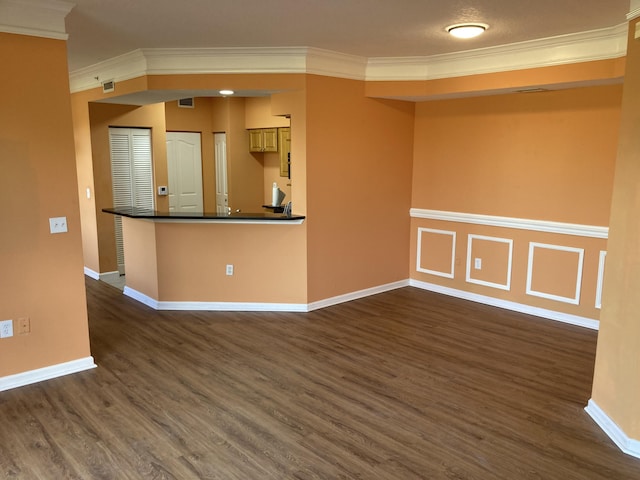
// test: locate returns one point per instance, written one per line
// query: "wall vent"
(532, 90)
(186, 102)
(108, 86)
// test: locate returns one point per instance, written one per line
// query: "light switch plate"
(58, 224)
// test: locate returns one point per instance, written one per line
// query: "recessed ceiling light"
(227, 92)
(467, 30)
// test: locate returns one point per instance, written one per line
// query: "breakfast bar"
(209, 261)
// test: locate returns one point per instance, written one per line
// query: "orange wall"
(616, 386)
(546, 156)
(103, 116)
(259, 115)
(358, 187)
(244, 171)
(542, 156)
(186, 262)
(558, 278)
(84, 166)
(42, 275)
(268, 263)
(271, 162)
(599, 71)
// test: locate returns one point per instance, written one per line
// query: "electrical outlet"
(24, 325)
(478, 264)
(58, 224)
(229, 270)
(6, 328)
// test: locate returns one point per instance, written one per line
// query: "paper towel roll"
(275, 196)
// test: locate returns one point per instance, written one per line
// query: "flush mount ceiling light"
(226, 92)
(467, 30)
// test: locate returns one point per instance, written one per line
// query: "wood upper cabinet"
(270, 139)
(255, 140)
(284, 140)
(263, 140)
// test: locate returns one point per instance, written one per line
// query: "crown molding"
(37, 18)
(581, 47)
(168, 61)
(599, 44)
(335, 64)
(123, 67)
(632, 15)
(176, 61)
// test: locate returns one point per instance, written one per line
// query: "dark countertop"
(143, 213)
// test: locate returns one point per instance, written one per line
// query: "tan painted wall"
(601, 71)
(42, 274)
(558, 278)
(271, 163)
(616, 386)
(84, 166)
(103, 116)
(359, 153)
(140, 252)
(543, 156)
(258, 114)
(186, 262)
(244, 170)
(295, 105)
(192, 260)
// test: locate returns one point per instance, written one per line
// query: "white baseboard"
(106, 276)
(141, 297)
(628, 445)
(215, 306)
(508, 305)
(347, 297)
(110, 276)
(234, 306)
(91, 273)
(46, 373)
(257, 306)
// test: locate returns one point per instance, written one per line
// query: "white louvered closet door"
(131, 175)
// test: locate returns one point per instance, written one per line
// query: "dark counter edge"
(146, 214)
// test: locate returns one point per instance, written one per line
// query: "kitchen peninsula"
(209, 261)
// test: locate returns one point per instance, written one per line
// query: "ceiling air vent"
(186, 102)
(108, 86)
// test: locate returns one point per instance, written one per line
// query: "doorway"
(222, 187)
(184, 165)
(131, 176)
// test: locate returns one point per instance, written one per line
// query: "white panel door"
(131, 175)
(222, 188)
(184, 164)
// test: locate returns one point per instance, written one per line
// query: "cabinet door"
(284, 135)
(269, 139)
(255, 141)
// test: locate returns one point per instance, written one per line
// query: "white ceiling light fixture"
(226, 92)
(467, 30)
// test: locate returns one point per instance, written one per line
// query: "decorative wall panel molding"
(511, 222)
(448, 273)
(574, 300)
(601, 263)
(470, 262)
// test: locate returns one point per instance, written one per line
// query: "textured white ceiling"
(100, 30)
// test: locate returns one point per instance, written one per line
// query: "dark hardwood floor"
(402, 385)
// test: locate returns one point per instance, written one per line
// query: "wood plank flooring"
(402, 385)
